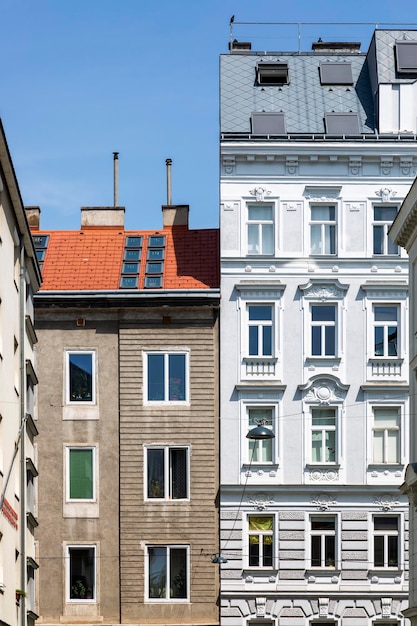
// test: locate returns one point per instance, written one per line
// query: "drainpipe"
(23, 571)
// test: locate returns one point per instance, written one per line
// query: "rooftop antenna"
(169, 185)
(116, 178)
(232, 19)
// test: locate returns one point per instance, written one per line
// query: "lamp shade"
(260, 432)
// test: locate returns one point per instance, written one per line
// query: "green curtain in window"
(81, 474)
(260, 524)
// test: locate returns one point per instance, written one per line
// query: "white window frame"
(248, 457)
(385, 326)
(324, 225)
(167, 473)
(83, 546)
(260, 324)
(261, 223)
(385, 432)
(386, 225)
(68, 400)
(387, 533)
(324, 429)
(166, 354)
(323, 324)
(274, 535)
(324, 533)
(167, 599)
(68, 449)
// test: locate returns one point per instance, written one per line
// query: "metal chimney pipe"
(169, 185)
(116, 177)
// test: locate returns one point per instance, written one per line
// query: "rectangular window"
(323, 330)
(260, 329)
(383, 218)
(80, 473)
(167, 473)
(81, 374)
(167, 377)
(323, 230)
(168, 573)
(261, 450)
(323, 540)
(386, 435)
(386, 544)
(274, 73)
(260, 229)
(386, 330)
(81, 578)
(261, 541)
(323, 436)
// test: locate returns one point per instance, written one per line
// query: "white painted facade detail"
(314, 344)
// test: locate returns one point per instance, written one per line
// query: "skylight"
(336, 73)
(342, 123)
(270, 123)
(406, 57)
(272, 73)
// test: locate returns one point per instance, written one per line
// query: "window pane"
(379, 551)
(81, 379)
(378, 454)
(267, 341)
(379, 341)
(385, 213)
(253, 341)
(267, 239)
(82, 583)
(317, 446)
(254, 551)
(260, 213)
(329, 239)
(323, 313)
(386, 418)
(157, 572)
(156, 486)
(316, 341)
(392, 551)
(392, 341)
(156, 377)
(316, 551)
(323, 523)
(315, 242)
(392, 248)
(176, 376)
(81, 474)
(386, 313)
(323, 213)
(330, 551)
(178, 467)
(261, 312)
(392, 446)
(268, 548)
(378, 240)
(330, 452)
(253, 238)
(265, 448)
(386, 523)
(324, 417)
(178, 573)
(330, 338)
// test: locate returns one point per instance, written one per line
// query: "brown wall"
(194, 522)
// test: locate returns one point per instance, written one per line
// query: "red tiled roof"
(92, 259)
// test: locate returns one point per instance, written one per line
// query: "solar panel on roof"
(342, 123)
(268, 123)
(336, 73)
(406, 57)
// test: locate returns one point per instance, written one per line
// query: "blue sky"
(81, 79)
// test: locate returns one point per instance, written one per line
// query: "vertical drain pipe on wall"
(22, 303)
(115, 178)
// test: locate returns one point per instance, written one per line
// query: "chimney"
(102, 217)
(173, 214)
(33, 214)
(336, 46)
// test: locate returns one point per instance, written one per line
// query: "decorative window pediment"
(324, 389)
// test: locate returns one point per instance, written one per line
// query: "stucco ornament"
(323, 607)
(259, 193)
(323, 501)
(385, 193)
(386, 607)
(322, 475)
(261, 501)
(317, 290)
(386, 501)
(260, 607)
(324, 389)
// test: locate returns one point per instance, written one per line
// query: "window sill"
(323, 570)
(322, 359)
(389, 570)
(381, 466)
(334, 465)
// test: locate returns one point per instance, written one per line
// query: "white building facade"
(19, 280)
(317, 153)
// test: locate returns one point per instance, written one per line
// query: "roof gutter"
(127, 298)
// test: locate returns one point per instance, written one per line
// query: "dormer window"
(406, 57)
(336, 73)
(272, 73)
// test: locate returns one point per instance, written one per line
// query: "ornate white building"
(317, 153)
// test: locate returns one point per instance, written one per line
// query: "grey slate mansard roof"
(304, 100)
